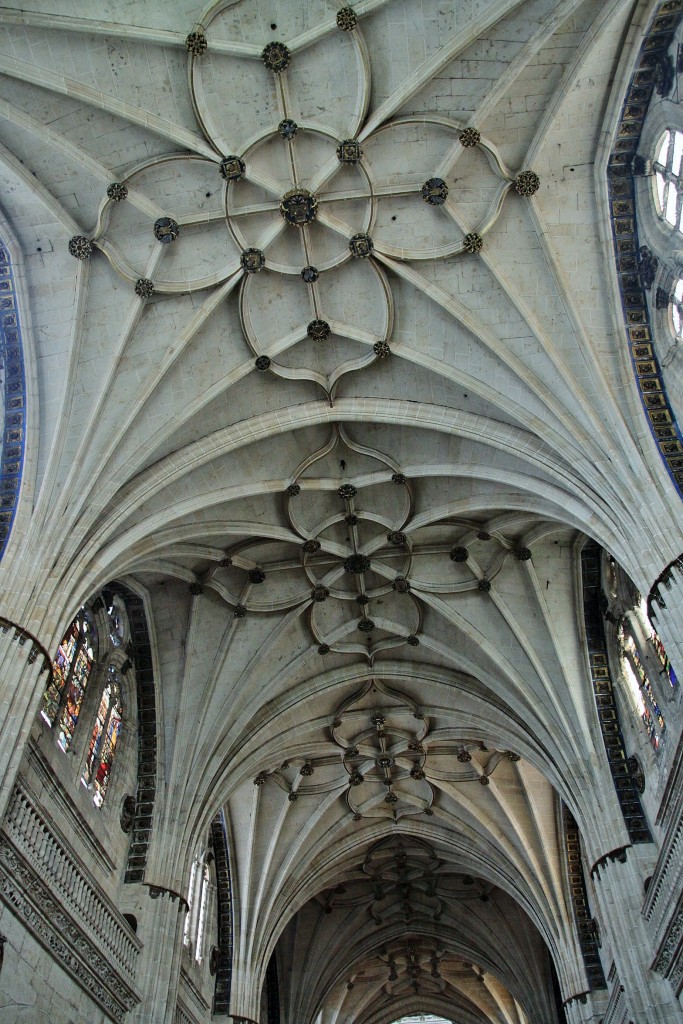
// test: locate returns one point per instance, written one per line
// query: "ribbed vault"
(335, 378)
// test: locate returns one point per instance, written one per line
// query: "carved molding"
(223, 959)
(184, 1016)
(69, 815)
(585, 924)
(617, 1010)
(624, 784)
(666, 881)
(22, 635)
(45, 917)
(190, 1001)
(669, 952)
(50, 858)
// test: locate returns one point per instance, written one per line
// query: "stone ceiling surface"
(322, 353)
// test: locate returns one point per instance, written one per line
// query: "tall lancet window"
(668, 179)
(70, 673)
(200, 906)
(639, 685)
(98, 764)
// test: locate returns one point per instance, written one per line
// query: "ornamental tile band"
(14, 385)
(634, 271)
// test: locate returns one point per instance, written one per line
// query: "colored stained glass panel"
(641, 690)
(98, 764)
(74, 698)
(78, 640)
(667, 179)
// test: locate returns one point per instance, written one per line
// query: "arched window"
(640, 688)
(676, 306)
(200, 906)
(667, 668)
(203, 909)
(74, 672)
(104, 738)
(187, 930)
(636, 636)
(667, 178)
(71, 671)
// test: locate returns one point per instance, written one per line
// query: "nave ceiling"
(336, 378)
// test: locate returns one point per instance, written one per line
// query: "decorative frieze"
(65, 913)
(579, 898)
(617, 1010)
(183, 1015)
(652, 71)
(624, 782)
(223, 984)
(64, 809)
(46, 854)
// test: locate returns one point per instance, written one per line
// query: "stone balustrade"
(32, 837)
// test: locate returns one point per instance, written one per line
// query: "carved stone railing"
(663, 907)
(183, 1016)
(192, 1007)
(666, 882)
(64, 907)
(617, 1010)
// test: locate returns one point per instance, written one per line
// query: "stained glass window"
(70, 672)
(190, 904)
(103, 741)
(668, 179)
(203, 908)
(640, 688)
(667, 668)
(200, 906)
(676, 308)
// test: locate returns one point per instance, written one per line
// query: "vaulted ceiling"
(353, 493)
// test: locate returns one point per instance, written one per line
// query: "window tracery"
(97, 770)
(640, 688)
(199, 901)
(676, 307)
(668, 179)
(90, 650)
(637, 639)
(71, 666)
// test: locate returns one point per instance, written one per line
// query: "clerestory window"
(199, 900)
(71, 670)
(105, 734)
(644, 660)
(75, 671)
(668, 179)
